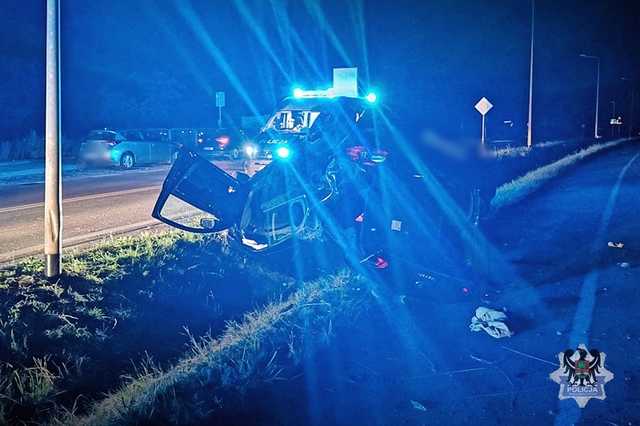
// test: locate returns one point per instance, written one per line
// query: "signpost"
(483, 107)
(220, 102)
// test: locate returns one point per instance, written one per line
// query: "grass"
(518, 189)
(64, 343)
(521, 151)
(249, 352)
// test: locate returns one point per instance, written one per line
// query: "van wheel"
(127, 161)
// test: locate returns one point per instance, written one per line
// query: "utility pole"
(530, 123)
(613, 116)
(596, 58)
(52, 171)
(630, 118)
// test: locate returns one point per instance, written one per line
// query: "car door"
(159, 146)
(137, 145)
(198, 196)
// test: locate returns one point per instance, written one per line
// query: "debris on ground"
(491, 321)
(624, 264)
(418, 406)
(617, 245)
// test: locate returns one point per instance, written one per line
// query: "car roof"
(323, 103)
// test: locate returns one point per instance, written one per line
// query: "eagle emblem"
(581, 375)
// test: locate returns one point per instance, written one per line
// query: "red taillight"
(222, 141)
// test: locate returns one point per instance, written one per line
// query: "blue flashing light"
(371, 98)
(283, 152)
(298, 93)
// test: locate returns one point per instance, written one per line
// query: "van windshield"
(294, 121)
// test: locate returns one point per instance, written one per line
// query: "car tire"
(127, 161)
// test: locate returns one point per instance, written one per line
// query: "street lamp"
(597, 59)
(529, 124)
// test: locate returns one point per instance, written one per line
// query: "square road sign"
(220, 101)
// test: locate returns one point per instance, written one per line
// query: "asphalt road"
(93, 207)
(560, 283)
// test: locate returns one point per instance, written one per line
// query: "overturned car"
(337, 174)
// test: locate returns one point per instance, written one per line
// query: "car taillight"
(223, 141)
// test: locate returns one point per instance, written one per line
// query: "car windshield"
(294, 121)
(102, 135)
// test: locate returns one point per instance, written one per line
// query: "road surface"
(415, 361)
(94, 206)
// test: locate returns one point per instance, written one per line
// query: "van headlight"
(250, 150)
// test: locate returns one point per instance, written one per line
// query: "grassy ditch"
(118, 305)
(211, 379)
(519, 188)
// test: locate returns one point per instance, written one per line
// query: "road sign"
(483, 106)
(220, 100)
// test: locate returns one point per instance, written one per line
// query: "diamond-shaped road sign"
(483, 106)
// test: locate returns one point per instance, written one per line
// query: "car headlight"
(250, 150)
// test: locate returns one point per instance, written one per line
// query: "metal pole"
(631, 111)
(483, 131)
(529, 123)
(613, 116)
(629, 119)
(52, 173)
(595, 132)
(219, 117)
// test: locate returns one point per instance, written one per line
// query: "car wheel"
(127, 161)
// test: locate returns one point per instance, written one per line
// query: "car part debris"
(418, 406)
(491, 321)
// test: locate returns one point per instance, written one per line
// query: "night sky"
(159, 63)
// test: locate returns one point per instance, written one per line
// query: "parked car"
(127, 148)
(221, 143)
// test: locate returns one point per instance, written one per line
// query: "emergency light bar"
(299, 93)
(345, 83)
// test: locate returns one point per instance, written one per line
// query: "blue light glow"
(283, 152)
(371, 97)
(298, 93)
